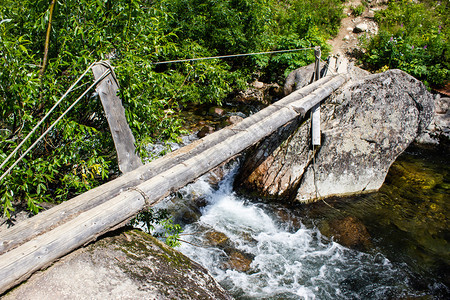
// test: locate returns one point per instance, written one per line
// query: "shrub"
(78, 154)
(159, 223)
(413, 38)
(358, 10)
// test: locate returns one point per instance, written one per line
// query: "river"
(259, 250)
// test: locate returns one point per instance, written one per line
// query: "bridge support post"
(115, 114)
(315, 111)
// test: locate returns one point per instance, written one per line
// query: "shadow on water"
(407, 219)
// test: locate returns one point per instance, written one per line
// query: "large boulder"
(298, 78)
(303, 76)
(366, 124)
(127, 265)
(259, 92)
(438, 132)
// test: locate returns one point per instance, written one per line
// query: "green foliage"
(301, 23)
(159, 224)
(413, 38)
(78, 154)
(242, 26)
(358, 10)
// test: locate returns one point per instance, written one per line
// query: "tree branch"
(47, 38)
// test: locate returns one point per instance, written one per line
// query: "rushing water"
(266, 251)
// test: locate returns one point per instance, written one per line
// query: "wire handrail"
(45, 117)
(229, 56)
(103, 76)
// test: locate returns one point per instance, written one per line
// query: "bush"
(413, 38)
(78, 154)
(159, 223)
(358, 10)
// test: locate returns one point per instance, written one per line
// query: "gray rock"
(274, 168)
(298, 78)
(128, 265)
(257, 84)
(234, 119)
(439, 128)
(250, 95)
(361, 27)
(366, 124)
(305, 75)
(442, 105)
(205, 131)
(259, 92)
(216, 111)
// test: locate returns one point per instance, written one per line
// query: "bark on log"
(306, 103)
(46, 220)
(19, 263)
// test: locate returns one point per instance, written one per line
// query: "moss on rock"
(127, 264)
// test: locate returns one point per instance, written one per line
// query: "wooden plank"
(46, 220)
(331, 69)
(19, 263)
(317, 54)
(315, 110)
(342, 69)
(115, 114)
(315, 128)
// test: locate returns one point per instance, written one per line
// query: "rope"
(144, 195)
(228, 56)
(314, 173)
(107, 65)
(328, 66)
(45, 117)
(106, 73)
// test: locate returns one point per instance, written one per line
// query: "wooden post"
(315, 112)
(115, 113)
(332, 69)
(343, 65)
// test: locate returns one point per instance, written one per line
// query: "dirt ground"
(347, 41)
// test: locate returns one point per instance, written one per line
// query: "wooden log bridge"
(37, 242)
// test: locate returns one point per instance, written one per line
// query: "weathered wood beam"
(46, 220)
(305, 104)
(315, 110)
(115, 114)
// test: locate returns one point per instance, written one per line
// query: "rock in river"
(350, 232)
(366, 124)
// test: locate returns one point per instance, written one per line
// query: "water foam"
(286, 264)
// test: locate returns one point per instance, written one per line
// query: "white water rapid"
(287, 262)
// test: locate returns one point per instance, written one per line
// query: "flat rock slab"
(128, 265)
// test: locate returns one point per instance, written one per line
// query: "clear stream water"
(289, 258)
